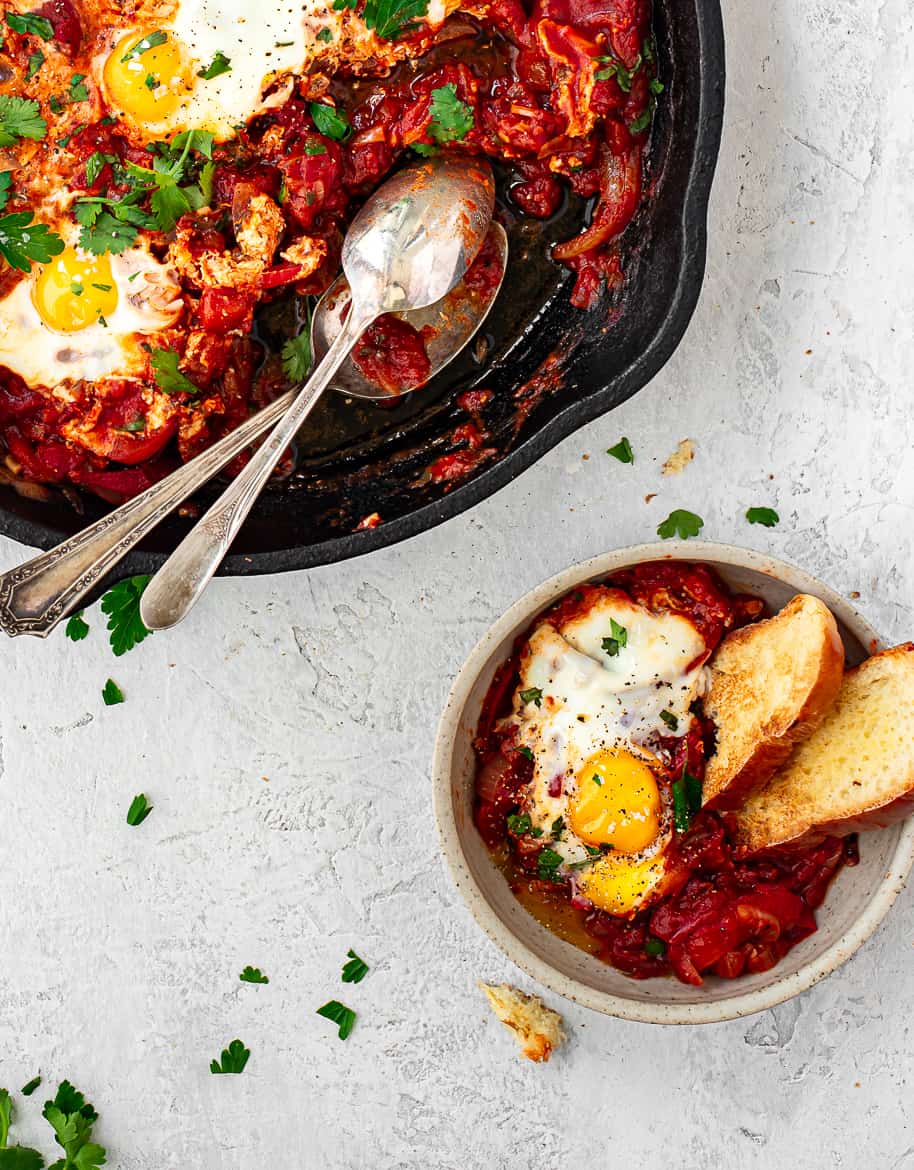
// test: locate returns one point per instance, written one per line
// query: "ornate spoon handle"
(36, 595)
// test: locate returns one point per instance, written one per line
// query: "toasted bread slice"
(855, 772)
(772, 684)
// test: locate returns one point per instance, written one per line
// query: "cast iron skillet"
(550, 367)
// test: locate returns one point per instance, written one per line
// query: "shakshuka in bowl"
(650, 784)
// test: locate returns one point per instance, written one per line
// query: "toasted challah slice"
(855, 772)
(771, 686)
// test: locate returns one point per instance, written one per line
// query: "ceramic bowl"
(857, 901)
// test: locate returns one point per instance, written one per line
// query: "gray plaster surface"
(284, 734)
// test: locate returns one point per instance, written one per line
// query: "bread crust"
(728, 782)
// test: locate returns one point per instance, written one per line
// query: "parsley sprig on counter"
(681, 523)
(354, 969)
(139, 810)
(122, 605)
(339, 1014)
(253, 975)
(22, 241)
(232, 1060)
(70, 1116)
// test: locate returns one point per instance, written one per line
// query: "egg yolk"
(617, 802)
(145, 80)
(74, 291)
(618, 886)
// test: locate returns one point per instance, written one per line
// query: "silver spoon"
(38, 594)
(408, 247)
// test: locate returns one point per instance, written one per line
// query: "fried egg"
(213, 64)
(86, 317)
(596, 692)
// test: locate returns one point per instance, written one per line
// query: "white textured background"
(284, 735)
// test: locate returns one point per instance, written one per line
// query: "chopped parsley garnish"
(655, 947)
(233, 1059)
(766, 516)
(36, 60)
(76, 628)
(686, 800)
(110, 225)
(78, 91)
(686, 524)
(597, 779)
(656, 86)
(20, 118)
(29, 24)
(670, 720)
(623, 76)
(618, 638)
(134, 426)
(296, 356)
(167, 199)
(643, 121)
(150, 41)
(313, 147)
(622, 451)
(112, 693)
(547, 864)
(167, 376)
(76, 288)
(95, 164)
(558, 828)
(339, 1014)
(325, 35)
(341, 5)
(253, 975)
(220, 64)
(392, 18)
(330, 121)
(122, 605)
(518, 823)
(451, 121)
(526, 753)
(532, 695)
(354, 969)
(139, 810)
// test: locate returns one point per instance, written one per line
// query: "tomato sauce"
(559, 91)
(721, 914)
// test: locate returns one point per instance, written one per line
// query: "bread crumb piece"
(680, 459)
(538, 1028)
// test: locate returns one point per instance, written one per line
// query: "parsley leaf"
(526, 752)
(518, 823)
(253, 975)
(618, 639)
(766, 516)
(355, 970)
(641, 123)
(122, 604)
(655, 947)
(532, 695)
(22, 241)
(150, 41)
(686, 524)
(78, 91)
(168, 200)
(199, 140)
(95, 164)
(339, 1014)
(547, 865)
(110, 225)
(452, 119)
(392, 18)
(36, 60)
(623, 76)
(558, 828)
(325, 35)
(112, 693)
(29, 24)
(296, 356)
(76, 628)
(167, 376)
(686, 800)
(72, 1117)
(341, 5)
(139, 810)
(670, 720)
(20, 118)
(622, 451)
(220, 64)
(29, 1088)
(233, 1058)
(330, 121)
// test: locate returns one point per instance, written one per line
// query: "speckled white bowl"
(857, 901)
